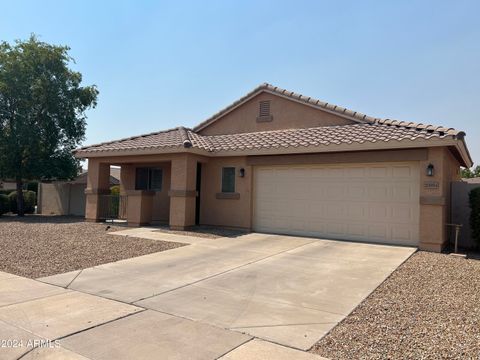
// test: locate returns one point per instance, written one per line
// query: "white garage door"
(363, 202)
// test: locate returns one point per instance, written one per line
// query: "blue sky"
(163, 64)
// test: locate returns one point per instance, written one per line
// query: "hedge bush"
(29, 198)
(474, 198)
(115, 190)
(32, 186)
(6, 192)
(4, 204)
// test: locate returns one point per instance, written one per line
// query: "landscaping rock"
(37, 246)
(429, 308)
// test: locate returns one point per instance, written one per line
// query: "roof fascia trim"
(135, 152)
(404, 144)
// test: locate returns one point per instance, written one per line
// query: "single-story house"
(8, 185)
(276, 161)
(68, 197)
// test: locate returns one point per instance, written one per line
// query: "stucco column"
(434, 198)
(127, 178)
(139, 207)
(98, 183)
(182, 192)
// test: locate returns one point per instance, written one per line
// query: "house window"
(148, 178)
(228, 180)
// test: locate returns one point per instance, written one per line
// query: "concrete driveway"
(283, 289)
(255, 296)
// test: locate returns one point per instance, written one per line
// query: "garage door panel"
(400, 172)
(366, 202)
(379, 172)
(298, 208)
(315, 227)
(316, 210)
(300, 193)
(378, 192)
(401, 233)
(403, 193)
(335, 192)
(403, 213)
(356, 172)
(378, 211)
(336, 228)
(377, 231)
(357, 212)
(358, 231)
(334, 172)
(335, 211)
(357, 192)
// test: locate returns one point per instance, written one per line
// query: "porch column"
(127, 183)
(127, 178)
(98, 183)
(182, 192)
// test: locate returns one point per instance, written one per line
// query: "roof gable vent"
(264, 114)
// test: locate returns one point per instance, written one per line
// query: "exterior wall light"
(430, 170)
(242, 172)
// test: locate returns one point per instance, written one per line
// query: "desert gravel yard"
(429, 308)
(38, 246)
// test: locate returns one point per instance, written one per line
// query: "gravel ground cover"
(429, 308)
(209, 232)
(37, 246)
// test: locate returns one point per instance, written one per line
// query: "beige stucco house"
(276, 161)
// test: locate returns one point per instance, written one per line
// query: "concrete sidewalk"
(41, 321)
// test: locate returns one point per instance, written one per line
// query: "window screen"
(141, 179)
(156, 179)
(148, 179)
(228, 179)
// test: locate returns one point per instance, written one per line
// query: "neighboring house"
(275, 161)
(68, 197)
(8, 185)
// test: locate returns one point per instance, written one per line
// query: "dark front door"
(198, 188)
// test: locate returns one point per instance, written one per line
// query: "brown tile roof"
(366, 129)
(369, 132)
(172, 138)
(321, 136)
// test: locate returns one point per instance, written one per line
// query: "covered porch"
(154, 189)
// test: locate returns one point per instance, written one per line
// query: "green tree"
(471, 173)
(42, 112)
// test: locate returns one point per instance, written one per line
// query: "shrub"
(474, 198)
(4, 204)
(6, 192)
(29, 198)
(115, 190)
(32, 186)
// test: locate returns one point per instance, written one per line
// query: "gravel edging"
(429, 308)
(38, 246)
